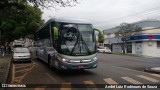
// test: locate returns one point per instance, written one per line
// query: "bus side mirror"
(55, 33)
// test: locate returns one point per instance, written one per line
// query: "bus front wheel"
(50, 61)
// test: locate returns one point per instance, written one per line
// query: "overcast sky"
(104, 14)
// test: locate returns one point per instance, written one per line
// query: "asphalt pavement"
(112, 69)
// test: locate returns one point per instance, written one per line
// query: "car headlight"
(27, 55)
(15, 56)
(95, 58)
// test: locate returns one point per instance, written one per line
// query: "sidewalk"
(5, 64)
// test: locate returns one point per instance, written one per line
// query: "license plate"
(81, 66)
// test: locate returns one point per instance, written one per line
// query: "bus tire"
(36, 55)
(50, 61)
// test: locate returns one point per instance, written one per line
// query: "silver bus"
(67, 44)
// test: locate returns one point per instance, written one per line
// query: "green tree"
(6, 6)
(23, 24)
(100, 36)
(16, 17)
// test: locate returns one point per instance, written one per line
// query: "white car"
(21, 54)
(103, 49)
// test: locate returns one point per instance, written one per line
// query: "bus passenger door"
(45, 55)
(40, 53)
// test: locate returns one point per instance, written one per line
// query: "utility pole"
(0, 36)
(0, 32)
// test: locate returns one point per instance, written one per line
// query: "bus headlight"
(95, 58)
(65, 60)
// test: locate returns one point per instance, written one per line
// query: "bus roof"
(78, 21)
(64, 20)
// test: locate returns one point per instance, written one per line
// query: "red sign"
(150, 37)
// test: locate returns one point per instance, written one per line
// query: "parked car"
(21, 54)
(103, 49)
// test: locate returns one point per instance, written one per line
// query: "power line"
(135, 14)
(146, 12)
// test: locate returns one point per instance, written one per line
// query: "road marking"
(51, 77)
(90, 84)
(34, 62)
(139, 60)
(148, 78)
(13, 73)
(66, 86)
(23, 66)
(129, 69)
(18, 79)
(131, 80)
(110, 81)
(157, 75)
(29, 69)
(24, 70)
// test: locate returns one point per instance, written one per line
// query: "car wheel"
(30, 60)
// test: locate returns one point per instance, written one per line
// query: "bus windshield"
(77, 39)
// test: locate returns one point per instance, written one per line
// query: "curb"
(9, 69)
(152, 70)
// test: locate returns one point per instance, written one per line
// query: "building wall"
(150, 48)
(152, 31)
(133, 48)
(141, 43)
(116, 48)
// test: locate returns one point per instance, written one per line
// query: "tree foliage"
(100, 36)
(21, 24)
(53, 3)
(6, 6)
(127, 30)
(19, 18)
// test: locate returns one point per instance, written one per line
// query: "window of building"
(129, 48)
(158, 44)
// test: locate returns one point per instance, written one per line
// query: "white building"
(147, 43)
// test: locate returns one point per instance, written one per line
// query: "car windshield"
(21, 50)
(77, 39)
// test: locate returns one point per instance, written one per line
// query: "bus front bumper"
(74, 66)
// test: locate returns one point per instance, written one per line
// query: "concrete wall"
(150, 49)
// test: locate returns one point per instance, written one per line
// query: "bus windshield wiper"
(79, 39)
(85, 45)
(75, 44)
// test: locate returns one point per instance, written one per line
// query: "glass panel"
(129, 48)
(76, 39)
(87, 36)
(158, 44)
